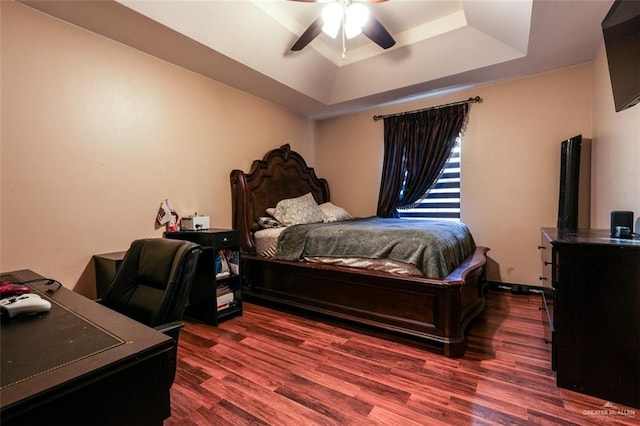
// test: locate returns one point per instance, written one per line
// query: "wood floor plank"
(271, 367)
(384, 417)
(264, 404)
(329, 402)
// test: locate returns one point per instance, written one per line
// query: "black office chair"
(152, 285)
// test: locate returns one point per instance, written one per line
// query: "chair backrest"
(153, 282)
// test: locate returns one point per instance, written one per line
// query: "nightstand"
(216, 293)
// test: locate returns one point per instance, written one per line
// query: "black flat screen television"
(568, 206)
(621, 30)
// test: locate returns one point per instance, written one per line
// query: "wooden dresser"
(596, 312)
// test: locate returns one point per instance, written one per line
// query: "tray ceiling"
(440, 46)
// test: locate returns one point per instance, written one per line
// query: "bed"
(432, 310)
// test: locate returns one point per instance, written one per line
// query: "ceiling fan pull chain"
(344, 45)
(344, 35)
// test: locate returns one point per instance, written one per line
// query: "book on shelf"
(225, 300)
(222, 275)
(227, 263)
(233, 261)
(223, 289)
(221, 265)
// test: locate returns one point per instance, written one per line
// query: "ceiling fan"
(350, 16)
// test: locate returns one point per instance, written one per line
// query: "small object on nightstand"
(194, 223)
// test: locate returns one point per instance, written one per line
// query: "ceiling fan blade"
(310, 33)
(378, 33)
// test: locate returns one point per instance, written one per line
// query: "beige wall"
(510, 161)
(616, 161)
(96, 134)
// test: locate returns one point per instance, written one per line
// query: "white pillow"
(268, 222)
(333, 213)
(300, 210)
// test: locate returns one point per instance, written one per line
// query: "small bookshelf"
(216, 293)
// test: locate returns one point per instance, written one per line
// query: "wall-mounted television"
(621, 30)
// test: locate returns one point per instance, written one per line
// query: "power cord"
(49, 281)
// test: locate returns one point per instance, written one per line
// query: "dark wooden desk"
(596, 342)
(81, 363)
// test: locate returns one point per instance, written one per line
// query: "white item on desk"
(24, 304)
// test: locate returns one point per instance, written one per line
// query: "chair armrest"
(171, 329)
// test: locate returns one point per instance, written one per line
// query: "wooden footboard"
(434, 311)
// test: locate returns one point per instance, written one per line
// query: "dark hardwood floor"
(275, 368)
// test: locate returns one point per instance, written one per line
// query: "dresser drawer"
(226, 239)
(215, 238)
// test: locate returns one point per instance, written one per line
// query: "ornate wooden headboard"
(280, 174)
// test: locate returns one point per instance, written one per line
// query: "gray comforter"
(435, 247)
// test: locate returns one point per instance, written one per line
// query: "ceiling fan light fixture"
(350, 16)
(356, 16)
(332, 17)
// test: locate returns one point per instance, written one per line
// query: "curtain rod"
(477, 99)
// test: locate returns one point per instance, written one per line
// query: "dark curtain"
(416, 145)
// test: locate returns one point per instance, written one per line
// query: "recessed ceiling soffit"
(433, 40)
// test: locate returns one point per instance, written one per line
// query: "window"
(442, 200)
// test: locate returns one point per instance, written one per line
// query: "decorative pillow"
(333, 213)
(268, 222)
(300, 210)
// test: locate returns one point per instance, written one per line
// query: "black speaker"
(621, 218)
